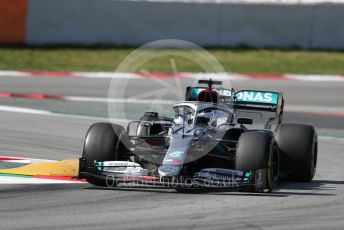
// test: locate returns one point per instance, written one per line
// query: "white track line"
(331, 138)
(309, 108)
(118, 100)
(50, 113)
(23, 110)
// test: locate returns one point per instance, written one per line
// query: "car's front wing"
(132, 174)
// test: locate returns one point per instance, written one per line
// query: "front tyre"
(298, 146)
(105, 142)
(258, 151)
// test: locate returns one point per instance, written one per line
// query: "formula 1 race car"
(206, 145)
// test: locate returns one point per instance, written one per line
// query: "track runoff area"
(45, 117)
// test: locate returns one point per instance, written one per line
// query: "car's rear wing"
(255, 100)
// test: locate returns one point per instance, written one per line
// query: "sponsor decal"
(121, 168)
(247, 177)
(217, 176)
(257, 97)
(172, 161)
(119, 164)
(109, 169)
(169, 169)
(176, 154)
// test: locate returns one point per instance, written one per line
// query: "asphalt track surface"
(316, 205)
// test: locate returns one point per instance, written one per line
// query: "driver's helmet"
(208, 96)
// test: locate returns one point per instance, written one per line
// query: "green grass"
(236, 60)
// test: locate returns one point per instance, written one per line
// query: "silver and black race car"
(207, 144)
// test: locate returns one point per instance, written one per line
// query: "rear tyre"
(105, 142)
(257, 151)
(298, 146)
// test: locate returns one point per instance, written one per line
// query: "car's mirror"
(245, 121)
(132, 128)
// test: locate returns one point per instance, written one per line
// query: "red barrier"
(12, 21)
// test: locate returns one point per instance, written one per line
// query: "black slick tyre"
(298, 146)
(105, 142)
(257, 151)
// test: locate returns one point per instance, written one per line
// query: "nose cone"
(169, 170)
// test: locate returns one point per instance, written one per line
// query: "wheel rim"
(314, 158)
(275, 164)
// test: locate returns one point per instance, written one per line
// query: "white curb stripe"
(217, 76)
(107, 75)
(325, 78)
(26, 179)
(23, 180)
(10, 73)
